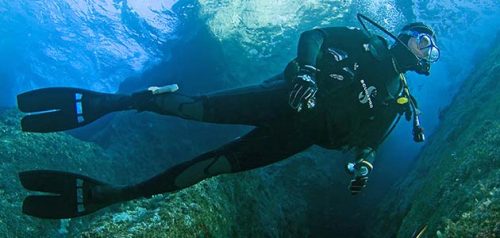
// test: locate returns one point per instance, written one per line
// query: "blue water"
(207, 45)
(75, 43)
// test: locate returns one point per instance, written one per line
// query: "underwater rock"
(454, 187)
(268, 202)
(21, 151)
(203, 210)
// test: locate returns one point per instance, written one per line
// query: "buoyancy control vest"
(357, 85)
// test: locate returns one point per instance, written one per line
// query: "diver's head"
(419, 51)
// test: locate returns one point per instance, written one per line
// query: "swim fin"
(71, 195)
(58, 109)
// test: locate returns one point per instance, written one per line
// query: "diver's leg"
(260, 147)
(58, 109)
(254, 105)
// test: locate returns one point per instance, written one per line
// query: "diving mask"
(426, 45)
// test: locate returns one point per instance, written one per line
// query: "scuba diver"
(345, 90)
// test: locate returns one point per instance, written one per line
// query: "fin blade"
(59, 109)
(46, 99)
(47, 181)
(73, 197)
(52, 122)
(50, 207)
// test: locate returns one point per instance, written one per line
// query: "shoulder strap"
(378, 47)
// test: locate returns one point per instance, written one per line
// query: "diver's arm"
(303, 73)
(365, 154)
(303, 94)
(309, 46)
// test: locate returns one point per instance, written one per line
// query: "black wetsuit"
(354, 109)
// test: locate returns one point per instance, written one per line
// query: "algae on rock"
(20, 151)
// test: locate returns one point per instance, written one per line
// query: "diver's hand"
(359, 172)
(357, 184)
(304, 89)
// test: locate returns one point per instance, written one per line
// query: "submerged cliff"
(28, 151)
(454, 186)
(270, 202)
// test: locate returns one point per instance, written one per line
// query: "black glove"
(359, 172)
(304, 89)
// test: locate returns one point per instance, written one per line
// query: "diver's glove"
(360, 171)
(304, 89)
